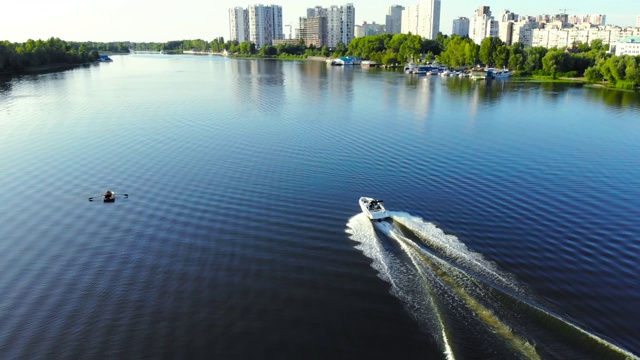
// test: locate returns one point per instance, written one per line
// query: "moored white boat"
(373, 208)
(501, 74)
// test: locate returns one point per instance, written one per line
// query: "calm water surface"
(514, 229)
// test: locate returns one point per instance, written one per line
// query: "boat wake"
(466, 303)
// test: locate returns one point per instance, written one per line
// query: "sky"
(159, 21)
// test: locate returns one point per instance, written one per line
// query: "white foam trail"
(455, 250)
(419, 257)
(390, 231)
(405, 285)
(453, 245)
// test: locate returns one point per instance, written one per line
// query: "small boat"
(502, 74)
(109, 196)
(373, 208)
(410, 68)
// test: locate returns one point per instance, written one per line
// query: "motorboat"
(410, 68)
(373, 208)
(502, 74)
(109, 196)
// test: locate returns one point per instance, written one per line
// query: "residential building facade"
(313, 30)
(557, 36)
(368, 29)
(410, 20)
(340, 24)
(460, 26)
(393, 20)
(258, 24)
(483, 25)
(328, 26)
(597, 19)
(239, 24)
(422, 19)
(626, 46)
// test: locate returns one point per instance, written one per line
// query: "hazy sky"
(156, 21)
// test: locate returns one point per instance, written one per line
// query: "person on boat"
(108, 194)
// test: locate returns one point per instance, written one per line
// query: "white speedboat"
(373, 208)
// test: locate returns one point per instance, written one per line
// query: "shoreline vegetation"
(589, 64)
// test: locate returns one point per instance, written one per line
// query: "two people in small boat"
(374, 205)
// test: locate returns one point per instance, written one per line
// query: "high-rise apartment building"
(638, 22)
(597, 19)
(313, 30)
(239, 24)
(460, 26)
(410, 19)
(338, 25)
(505, 26)
(316, 12)
(483, 25)
(258, 24)
(393, 20)
(422, 19)
(341, 21)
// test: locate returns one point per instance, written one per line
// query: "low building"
(626, 46)
(369, 29)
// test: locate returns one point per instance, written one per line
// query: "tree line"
(15, 57)
(589, 60)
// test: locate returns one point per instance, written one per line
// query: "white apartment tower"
(265, 24)
(410, 20)
(239, 24)
(505, 27)
(638, 22)
(460, 26)
(483, 25)
(341, 21)
(393, 20)
(259, 24)
(422, 19)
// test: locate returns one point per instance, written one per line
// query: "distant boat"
(421, 70)
(368, 63)
(502, 74)
(410, 68)
(481, 74)
(105, 58)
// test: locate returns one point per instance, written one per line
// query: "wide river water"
(514, 231)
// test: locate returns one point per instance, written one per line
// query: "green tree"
(487, 49)
(632, 71)
(533, 58)
(516, 57)
(593, 74)
(471, 53)
(411, 48)
(341, 50)
(554, 62)
(501, 56)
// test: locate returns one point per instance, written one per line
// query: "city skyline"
(146, 21)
